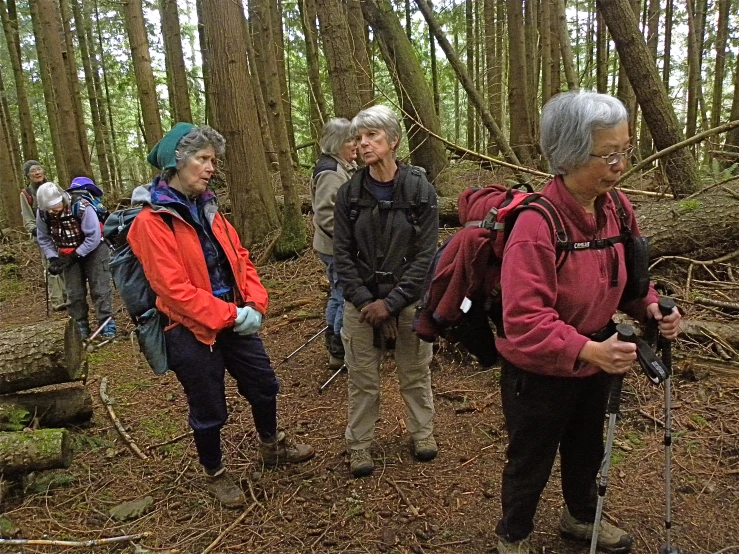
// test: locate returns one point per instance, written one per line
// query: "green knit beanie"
(162, 155)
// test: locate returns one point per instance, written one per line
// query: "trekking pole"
(46, 289)
(330, 379)
(626, 333)
(666, 305)
(299, 348)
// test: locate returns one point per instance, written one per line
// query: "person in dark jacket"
(70, 237)
(386, 227)
(209, 291)
(560, 352)
(334, 168)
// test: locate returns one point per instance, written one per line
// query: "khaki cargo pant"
(412, 357)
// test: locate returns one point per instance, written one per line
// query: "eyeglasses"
(614, 157)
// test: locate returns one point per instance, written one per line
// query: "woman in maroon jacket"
(559, 351)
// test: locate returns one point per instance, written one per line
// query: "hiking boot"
(611, 539)
(282, 450)
(84, 329)
(60, 307)
(360, 462)
(109, 331)
(223, 488)
(335, 350)
(335, 364)
(426, 449)
(518, 547)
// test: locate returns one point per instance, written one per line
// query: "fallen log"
(52, 408)
(703, 331)
(40, 354)
(23, 451)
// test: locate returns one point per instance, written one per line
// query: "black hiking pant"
(544, 414)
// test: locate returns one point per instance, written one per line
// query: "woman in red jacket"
(559, 352)
(211, 294)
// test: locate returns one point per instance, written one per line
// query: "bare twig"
(79, 544)
(403, 497)
(228, 529)
(170, 441)
(117, 422)
(717, 303)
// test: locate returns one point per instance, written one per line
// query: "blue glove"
(248, 321)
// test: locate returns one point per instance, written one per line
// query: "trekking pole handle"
(666, 305)
(625, 333)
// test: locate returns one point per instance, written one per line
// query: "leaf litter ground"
(450, 505)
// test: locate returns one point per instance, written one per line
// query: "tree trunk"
(10, 25)
(666, 60)
(97, 124)
(250, 185)
(732, 137)
(652, 97)
(9, 198)
(645, 138)
(357, 32)
(474, 96)
(531, 17)
(434, 70)
(14, 178)
(520, 122)
(52, 408)
(565, 45)
(556, 84)
(696, 16)
(175, 60)
(145, 83)
(23, 452)
(278, 41)
(269, 146)
(205, 55)
(316, 99)
(492, 65)
(546, 51)
(293, 236)
(719, 69)
(70, 61)
(337, 47)
(469, 41)
(601, 70)
(40, 354)
(416, 99)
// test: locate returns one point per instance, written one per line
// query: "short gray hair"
(192, 143)
(378, 117)
(567, 124)
(335, 133)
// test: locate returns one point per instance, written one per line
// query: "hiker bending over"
(386, 226)
(36, 176)
(209, 292)
(559, 348)
(334, 168)
(69, 236)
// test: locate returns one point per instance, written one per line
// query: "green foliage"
(686, 206)
(14, 418)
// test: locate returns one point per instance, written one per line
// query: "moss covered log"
(21, 452)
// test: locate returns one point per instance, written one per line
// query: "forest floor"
(450, 505)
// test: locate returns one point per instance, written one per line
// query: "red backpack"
(462, 286)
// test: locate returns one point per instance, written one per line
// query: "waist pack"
(136, 293)
(462, 287)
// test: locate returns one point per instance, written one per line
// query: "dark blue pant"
(201, 371)
(544, 414)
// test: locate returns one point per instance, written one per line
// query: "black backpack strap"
(623, 218)
(416, 194)
(357, 198)
(545, 207)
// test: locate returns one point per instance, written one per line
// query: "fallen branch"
(228, 529)
(170, 441)
(403, 496)
(117, 422)
(95, 542)
(717, 303)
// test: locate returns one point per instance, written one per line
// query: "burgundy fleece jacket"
(549, 313)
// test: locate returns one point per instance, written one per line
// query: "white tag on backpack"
(465, 305)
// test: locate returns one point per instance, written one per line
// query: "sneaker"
(360, 462)
(109, 331)
(611, 539)
(426, 449)
(281, 450)
(223, 488)
(518, 547)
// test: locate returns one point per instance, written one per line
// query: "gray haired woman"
(334, 168)
(209, 292)
(386, 227)
(560, 350)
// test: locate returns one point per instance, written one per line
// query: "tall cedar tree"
(14, 177)
(293, 236)
(316, 100)
(9, 194)
(650, 92)
(253, 203)
(645, 138)
(139, 44)
(8, 14)
(175, 60)
(360, 52)
(520, 121)
(337, 45)
(416, 99)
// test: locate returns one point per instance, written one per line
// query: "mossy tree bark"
(52, 408)
(21, 452)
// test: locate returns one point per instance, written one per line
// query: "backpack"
(136, 293)
(100, 210)
(459, 305)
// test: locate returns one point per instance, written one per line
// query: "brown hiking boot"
(518, 547)
(282, 450)
(426, 449)
(360, 462)
(611, 539)
(223, 488)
